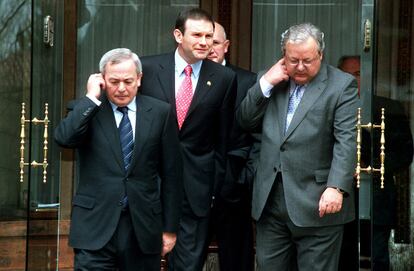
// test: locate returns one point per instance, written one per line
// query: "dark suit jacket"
(238, 171)
(205, 132)
(318, 149)
(153, 182)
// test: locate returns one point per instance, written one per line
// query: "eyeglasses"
(305, 62)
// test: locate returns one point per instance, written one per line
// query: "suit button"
(120, 203)
(275, 169)
(282, 149)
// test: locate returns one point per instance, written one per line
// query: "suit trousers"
(189, 252)
(281, 245)
(120, 253)
(232, 226)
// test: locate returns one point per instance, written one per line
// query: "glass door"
(385, 213)
(30, 95)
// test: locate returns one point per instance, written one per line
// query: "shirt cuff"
(266, 87)
(93, 98)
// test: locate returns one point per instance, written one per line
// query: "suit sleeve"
(72, 130)
(344, 149)
(252, 108)
(224, 131)
(171, 175)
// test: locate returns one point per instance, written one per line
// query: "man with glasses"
(302, 192)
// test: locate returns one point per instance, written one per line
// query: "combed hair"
(302, 32)
(194, 14)
(118, 55)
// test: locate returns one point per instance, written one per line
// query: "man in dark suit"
(202, 94)
(231, 215)
(126, 209)
(302, 192)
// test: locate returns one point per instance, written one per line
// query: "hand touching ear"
(95, 84)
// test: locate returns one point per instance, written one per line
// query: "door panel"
(31, 74)
(46, 96)
(15, 71)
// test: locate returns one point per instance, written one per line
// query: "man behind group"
(302, 193)
(202, 94)
(231, 216)
(126, 208)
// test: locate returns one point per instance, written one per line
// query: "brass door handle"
(35, 121)
(370, 126)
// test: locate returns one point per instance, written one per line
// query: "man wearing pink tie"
(202, 95)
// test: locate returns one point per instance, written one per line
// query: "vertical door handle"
(35, 121)
(370, 127)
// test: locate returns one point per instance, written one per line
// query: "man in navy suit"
(126, 208)
(204, 127)
(231, 220)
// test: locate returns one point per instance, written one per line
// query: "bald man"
(231, 220)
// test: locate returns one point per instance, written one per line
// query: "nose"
(203, 41)
(121, 87)
(300, 66)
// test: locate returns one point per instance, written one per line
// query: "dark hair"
(345, 58)
(194, 14)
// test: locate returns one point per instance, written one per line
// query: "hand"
(277, 73)
(96, 82)
(168, 242)
(330, 202)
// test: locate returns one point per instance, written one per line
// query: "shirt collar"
(131, 106)
(180, 64)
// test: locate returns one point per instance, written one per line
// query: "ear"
(226, 44)
(178, 35)
(139, 76)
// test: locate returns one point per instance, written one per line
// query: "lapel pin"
(208, 83)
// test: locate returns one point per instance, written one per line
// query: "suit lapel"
(203, 86)
(282, 97)
(142, 128)
(312, 92)
(107, 121)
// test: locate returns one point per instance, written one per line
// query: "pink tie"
(184, 96)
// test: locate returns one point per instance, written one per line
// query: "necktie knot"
(187, 70)
(297, 90)
(123, 109)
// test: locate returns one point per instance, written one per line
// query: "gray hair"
(302, 32)
(118, 55)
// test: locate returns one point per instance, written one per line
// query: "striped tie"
(126, 137)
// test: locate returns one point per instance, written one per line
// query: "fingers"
(277, 73)
(168, 242)
(330, 202)
(95, 83)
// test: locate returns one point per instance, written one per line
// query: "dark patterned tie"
(126, 137)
